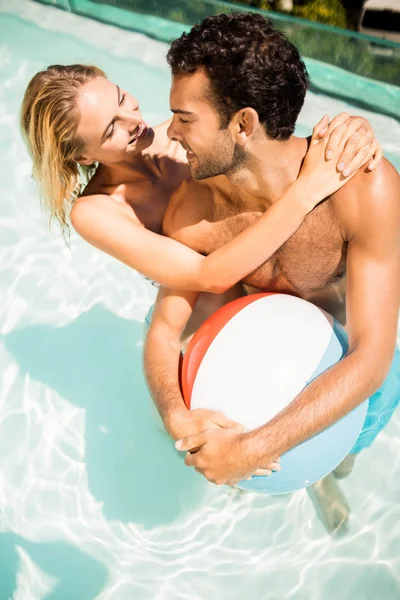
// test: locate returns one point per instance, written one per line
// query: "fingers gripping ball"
(251, 358)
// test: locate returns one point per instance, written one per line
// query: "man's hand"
(222, 456)
(361, 147)
(185, 422)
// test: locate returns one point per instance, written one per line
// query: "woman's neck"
(146, 162)
(125, 171)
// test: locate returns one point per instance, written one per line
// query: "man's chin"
(199, 174)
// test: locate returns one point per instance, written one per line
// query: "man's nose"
(172, 131)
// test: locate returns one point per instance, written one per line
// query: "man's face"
(210, 150)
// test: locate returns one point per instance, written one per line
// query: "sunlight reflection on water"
(94, 500)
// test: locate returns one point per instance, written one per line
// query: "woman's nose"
(131, 120)
(131, 117)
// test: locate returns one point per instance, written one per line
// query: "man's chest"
(311, 260)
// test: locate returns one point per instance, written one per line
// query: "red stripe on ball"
(204, 337)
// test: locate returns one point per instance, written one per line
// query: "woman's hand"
(322, 172)
(359, 134)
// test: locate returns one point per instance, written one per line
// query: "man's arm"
(372, 307)
(162, 356)
(162, 352)
(373, 298)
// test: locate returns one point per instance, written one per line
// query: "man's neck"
(271, 169)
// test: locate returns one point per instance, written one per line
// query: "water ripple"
(94, 500)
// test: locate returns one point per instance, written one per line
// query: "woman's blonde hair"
(49, 122)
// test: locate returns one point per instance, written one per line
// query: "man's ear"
(84, 160)
(248, 122)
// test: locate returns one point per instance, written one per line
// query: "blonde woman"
(73, 118)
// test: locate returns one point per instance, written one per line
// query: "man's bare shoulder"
(191, 206)
(369, 201)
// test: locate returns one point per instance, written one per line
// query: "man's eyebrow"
(179, 111)
(112, 121)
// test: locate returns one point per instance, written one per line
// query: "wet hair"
(49, 122)
(249, 63)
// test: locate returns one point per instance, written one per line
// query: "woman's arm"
(112, 228)
(318, 179)
(102, 223)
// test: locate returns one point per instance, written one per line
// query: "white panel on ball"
(263, 358)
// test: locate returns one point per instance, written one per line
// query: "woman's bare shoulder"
(98, 210)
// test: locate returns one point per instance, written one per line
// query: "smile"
(139, 132)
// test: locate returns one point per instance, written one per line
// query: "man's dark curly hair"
(248, 63)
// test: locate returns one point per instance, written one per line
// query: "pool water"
(95, 503)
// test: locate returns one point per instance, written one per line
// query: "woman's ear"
(84, 160)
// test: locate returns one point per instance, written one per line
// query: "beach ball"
(251, 358)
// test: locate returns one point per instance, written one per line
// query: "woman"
(73, 117)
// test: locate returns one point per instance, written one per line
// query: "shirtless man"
(238, 86)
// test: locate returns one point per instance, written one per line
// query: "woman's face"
(111, 124)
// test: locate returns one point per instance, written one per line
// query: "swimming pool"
(94, 501)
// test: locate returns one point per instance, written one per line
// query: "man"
(238, 87)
